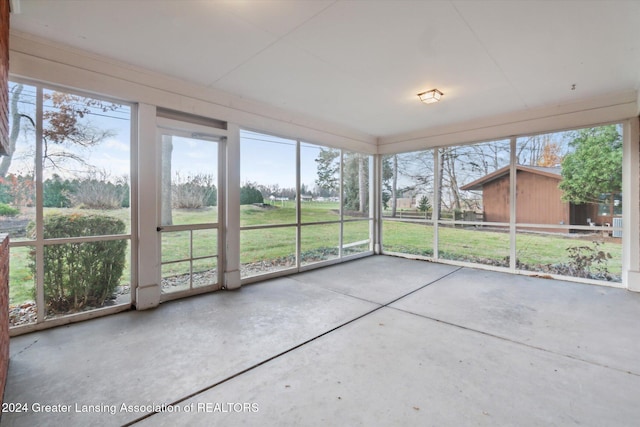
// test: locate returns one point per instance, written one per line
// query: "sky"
(265, 159)
(270, 160)
(112, 154)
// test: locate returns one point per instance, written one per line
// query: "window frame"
(38, 244)
(299, 225)
(626, 230)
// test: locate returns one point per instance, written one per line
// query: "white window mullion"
(222, 210)
(436, 201)
(40, 302)
(298, 208)
(340, 239)
(512, 204)
(147, 289)
(375, 204)
(630, 202)
(232, 206)
(133, 203)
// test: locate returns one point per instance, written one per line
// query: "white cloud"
(114, 144)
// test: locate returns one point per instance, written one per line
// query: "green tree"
(57, 191)
(250, 194)
(328, 170)
(423, 204)
(389, 181)
(595, 167)
(355, 182)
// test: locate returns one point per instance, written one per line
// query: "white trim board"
(607, 109)
(46, 61)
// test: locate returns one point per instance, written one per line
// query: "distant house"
(538, 195)
(404, 203)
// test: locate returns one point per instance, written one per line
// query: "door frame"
(186, 129)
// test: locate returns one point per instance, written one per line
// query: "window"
(474, 209)
(302, 204)
(320, 231)
(569, 201)
(408, 200)
(268, 204)
(356, 175)
(610, 205)
(65, 196)
(567, 218)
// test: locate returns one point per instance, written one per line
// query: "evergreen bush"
(249, 194)
(81, 275)
(6, 210)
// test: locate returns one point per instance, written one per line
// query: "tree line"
(589, 161)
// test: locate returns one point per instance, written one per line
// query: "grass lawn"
(492, 247)
(320, 241)
(20, 278)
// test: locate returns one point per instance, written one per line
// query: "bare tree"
(16, 117)
(448, 163)
(362, 182)
(394, 187)
(65, 127)
(166, 203)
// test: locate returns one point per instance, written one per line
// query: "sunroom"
(159, 151)
(199, 190)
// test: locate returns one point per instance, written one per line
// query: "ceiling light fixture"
(430, 96)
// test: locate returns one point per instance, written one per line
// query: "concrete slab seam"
(337, 292)
(26, 348)
(297, 346)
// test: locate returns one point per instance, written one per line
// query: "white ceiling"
(361, 63)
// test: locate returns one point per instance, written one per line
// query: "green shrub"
(249, 194)
(81, 275)
(6, 210)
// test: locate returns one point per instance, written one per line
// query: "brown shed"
(538, 195)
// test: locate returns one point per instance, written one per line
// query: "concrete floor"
(379, 341)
